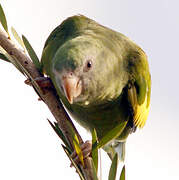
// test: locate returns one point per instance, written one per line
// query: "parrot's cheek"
(72, 87)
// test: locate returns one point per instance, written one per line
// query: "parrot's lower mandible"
(101, 76)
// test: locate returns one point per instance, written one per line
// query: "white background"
(29, 149)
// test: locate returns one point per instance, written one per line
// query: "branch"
(48, 96)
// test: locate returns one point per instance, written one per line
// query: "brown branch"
(49, 96)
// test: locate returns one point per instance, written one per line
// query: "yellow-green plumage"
(117, 86)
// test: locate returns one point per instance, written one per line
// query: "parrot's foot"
(43, 82)
(86, 150)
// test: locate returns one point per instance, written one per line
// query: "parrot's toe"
(43, 82)
(86, 150)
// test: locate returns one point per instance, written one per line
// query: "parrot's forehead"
(75, 52)
(81, 48)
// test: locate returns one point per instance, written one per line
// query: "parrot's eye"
(88, 65)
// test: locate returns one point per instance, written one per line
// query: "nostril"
(68, 75)
(71, 74)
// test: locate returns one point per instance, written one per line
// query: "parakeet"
(101, 76)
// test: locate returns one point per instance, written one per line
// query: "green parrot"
(101, 76)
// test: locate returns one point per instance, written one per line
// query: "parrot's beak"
(72, 86)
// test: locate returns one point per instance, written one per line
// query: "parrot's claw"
(86, 150)
(43, 82)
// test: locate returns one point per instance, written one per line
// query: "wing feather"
(141, 111)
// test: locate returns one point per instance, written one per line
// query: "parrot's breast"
(103, 117)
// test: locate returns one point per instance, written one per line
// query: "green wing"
(140, 88)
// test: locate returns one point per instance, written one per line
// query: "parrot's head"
(84, 72)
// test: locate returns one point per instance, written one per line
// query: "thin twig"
(49, 96)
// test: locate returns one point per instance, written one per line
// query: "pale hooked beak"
(72, 86)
